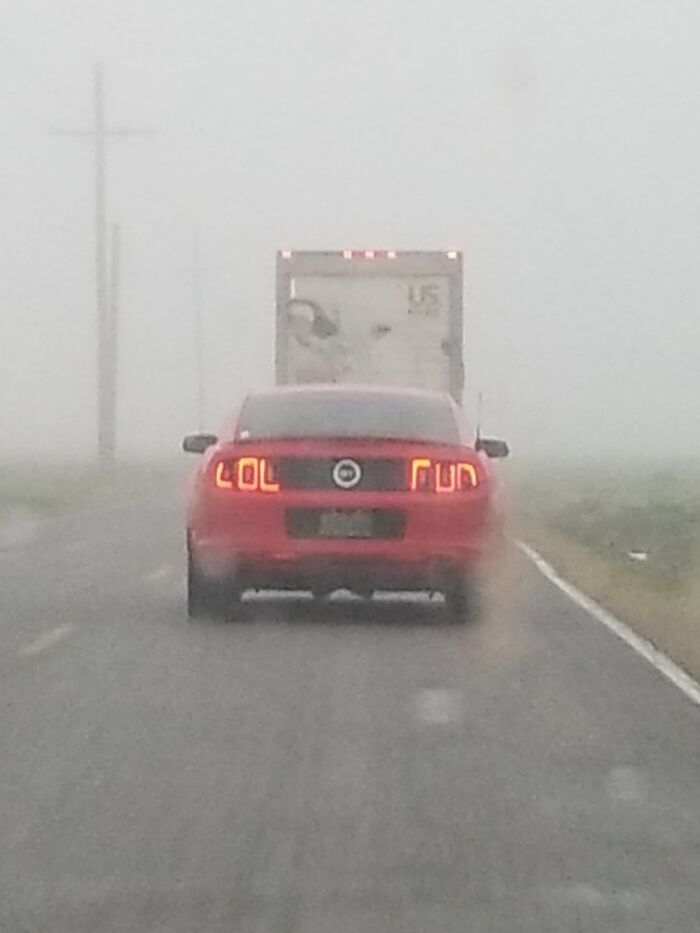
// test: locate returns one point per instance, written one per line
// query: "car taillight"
(246, 474)
(427, 475)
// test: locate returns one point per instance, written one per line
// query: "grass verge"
(33, 491)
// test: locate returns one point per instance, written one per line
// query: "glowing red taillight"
(246, 474)
(427, 475)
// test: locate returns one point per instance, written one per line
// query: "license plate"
(345, 524)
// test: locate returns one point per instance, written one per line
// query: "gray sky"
(556, 143)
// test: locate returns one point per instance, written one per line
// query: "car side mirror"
(493, 448)
(198, 443)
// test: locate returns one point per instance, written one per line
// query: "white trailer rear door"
(391, 330)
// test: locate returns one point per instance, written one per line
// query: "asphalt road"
(341, 769)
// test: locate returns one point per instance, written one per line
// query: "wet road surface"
(338, 768)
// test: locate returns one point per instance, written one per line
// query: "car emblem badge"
(347, 474)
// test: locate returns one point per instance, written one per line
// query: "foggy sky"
(556, 143)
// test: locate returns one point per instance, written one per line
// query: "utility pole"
(198, 332)
(106, 439)
(106, 327)
(111, 362)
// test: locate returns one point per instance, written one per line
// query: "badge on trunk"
(347, 474)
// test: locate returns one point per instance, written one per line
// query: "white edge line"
(45, 641)
(663, 664)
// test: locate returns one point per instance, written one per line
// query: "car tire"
(462, 599)
(213, 598)
(200, 594)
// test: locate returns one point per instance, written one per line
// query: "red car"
(328, 487)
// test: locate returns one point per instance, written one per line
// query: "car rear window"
(357, 414)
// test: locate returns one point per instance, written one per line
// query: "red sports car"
(328, 487)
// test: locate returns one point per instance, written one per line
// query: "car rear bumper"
(252, 543)
(336, 571)
(326, 573)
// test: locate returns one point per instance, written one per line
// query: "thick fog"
(556, 144)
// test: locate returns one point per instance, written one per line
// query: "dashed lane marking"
(48, 640)
(438, 707)
(160, 574)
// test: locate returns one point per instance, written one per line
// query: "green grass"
(615, 513)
